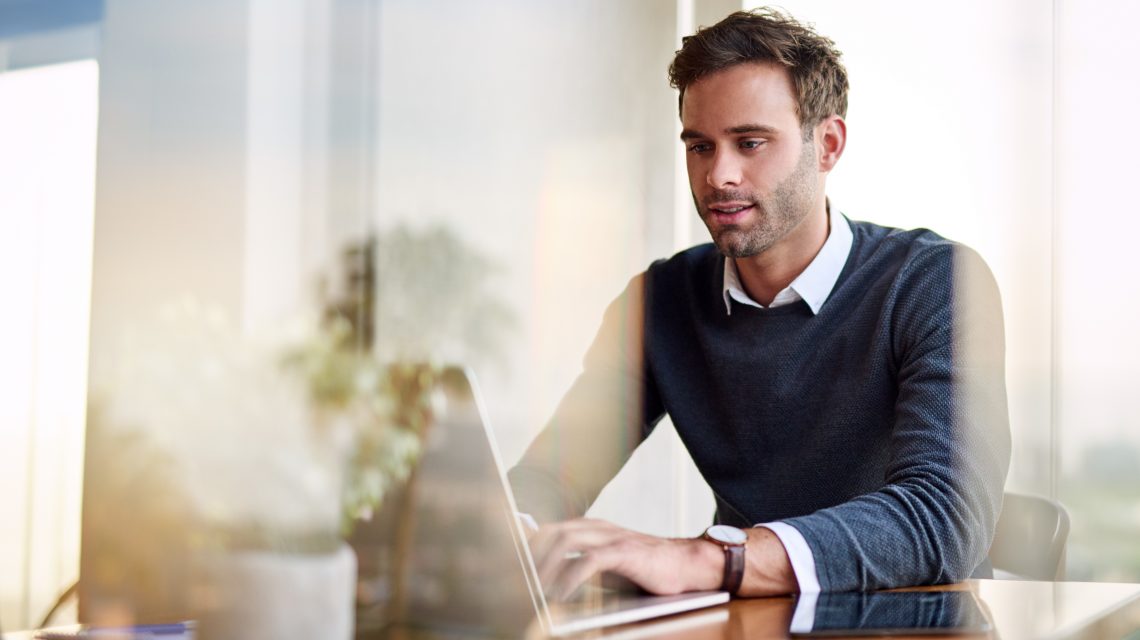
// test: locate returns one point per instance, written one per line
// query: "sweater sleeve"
(933, 519)
(612, 406)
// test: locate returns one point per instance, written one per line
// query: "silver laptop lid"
(467, 564)
(600, 609)
(452, 540)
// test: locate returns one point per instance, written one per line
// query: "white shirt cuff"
(799, 553)
(527, 521)
(803, 620)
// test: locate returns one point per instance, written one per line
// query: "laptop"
(467, 566)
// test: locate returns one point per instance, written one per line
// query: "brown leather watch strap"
(733, 568)
(733, 541)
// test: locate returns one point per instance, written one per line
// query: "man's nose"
(725, 171)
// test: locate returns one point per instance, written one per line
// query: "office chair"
(1030, 538)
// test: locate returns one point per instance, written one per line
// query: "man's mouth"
(729, 211)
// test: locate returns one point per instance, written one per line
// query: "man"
(840, 385)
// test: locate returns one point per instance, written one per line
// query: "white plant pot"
(256, 595)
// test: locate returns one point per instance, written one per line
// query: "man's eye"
(752, 144)
(699, 147)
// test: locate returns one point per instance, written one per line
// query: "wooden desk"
(1017, 609)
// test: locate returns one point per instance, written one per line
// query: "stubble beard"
(774, 217)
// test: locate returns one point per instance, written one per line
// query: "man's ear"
(831, 136)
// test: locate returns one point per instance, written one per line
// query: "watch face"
(726, 534)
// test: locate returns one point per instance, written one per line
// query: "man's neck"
(767, 274)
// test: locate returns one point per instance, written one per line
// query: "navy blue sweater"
(877, 428)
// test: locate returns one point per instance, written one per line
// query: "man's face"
(753, 177)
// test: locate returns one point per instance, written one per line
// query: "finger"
(541, 540)
(542, 547)
(570, 547)
(562, 548)
(574, 574)
(567, 541)
(545, 534)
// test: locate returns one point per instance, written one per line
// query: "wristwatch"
(733, 541)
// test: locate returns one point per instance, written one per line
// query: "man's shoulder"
(875, 236)
(689, 277)
(904, 250)
(921, 267)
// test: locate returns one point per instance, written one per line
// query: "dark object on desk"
(892, 613)
(171, 631)
(1030, 537)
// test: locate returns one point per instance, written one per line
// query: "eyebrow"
(689, 134)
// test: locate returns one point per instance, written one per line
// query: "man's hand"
(567, 554)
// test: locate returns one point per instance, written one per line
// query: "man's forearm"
(568, 553)
(768, 570)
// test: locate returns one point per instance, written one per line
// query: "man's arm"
(612, 406)
(933, 520)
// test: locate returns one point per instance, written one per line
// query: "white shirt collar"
(814, 284)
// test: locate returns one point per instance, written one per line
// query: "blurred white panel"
(274, 162)
(48, 123)
(1099, 292)
(587, 245)
(1097, 286)
(170, 230)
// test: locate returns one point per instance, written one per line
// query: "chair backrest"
(1030, 537)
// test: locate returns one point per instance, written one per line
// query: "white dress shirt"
(813, 286)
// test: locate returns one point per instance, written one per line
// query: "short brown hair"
(767, 35)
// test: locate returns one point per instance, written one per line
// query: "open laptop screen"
(454, 562)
